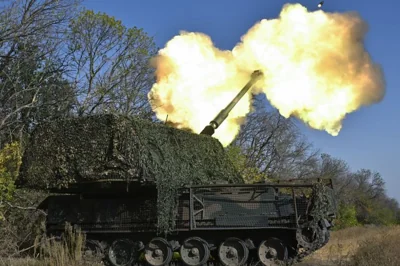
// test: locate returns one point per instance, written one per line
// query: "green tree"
(110, 66)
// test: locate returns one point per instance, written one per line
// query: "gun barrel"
(217, 121)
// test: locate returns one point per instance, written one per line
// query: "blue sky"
(370, 137)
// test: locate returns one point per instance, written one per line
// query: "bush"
(382, 216)
(347, 216)
(21, 221)
(239, 160)
(10, 161)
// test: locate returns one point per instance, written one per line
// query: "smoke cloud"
(315, 67)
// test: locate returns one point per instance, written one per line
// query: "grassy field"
(357, 246)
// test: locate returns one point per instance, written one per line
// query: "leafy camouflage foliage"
(324, 202)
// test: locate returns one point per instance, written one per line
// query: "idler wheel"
(233, 252)
(158, 252)
(122, 252)
(272, 252)
(194, 251)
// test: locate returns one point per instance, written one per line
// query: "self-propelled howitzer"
(146, 193)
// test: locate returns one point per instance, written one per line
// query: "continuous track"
(196, 251)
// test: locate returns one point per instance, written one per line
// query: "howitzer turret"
(217, 121)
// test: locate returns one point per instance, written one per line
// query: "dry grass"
(52, 252)
(46, 262)
(360, 246)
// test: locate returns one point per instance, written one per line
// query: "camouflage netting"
(119, 147)
(323, 202)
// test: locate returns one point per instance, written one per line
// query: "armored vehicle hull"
(219, 224)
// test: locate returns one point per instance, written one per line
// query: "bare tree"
(339, 171)
(369, 184)
(110, 65)
(273, 144)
